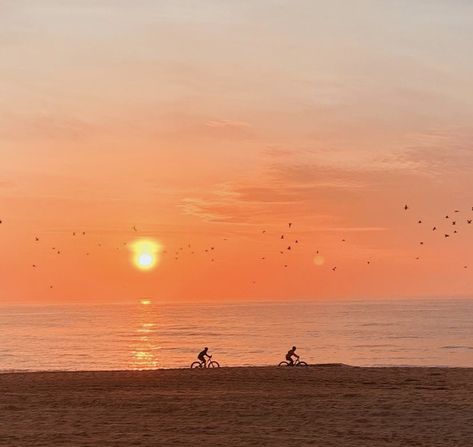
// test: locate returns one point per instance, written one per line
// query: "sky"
(209, 126)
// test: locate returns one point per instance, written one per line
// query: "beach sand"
(321, 406)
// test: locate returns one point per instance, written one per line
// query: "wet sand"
(327, 406)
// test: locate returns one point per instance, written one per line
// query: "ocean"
(148, 336)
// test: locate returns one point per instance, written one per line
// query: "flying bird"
(406, 207)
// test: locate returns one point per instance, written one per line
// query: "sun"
(145, 253)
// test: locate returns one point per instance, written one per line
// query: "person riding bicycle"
(202, 356)
(290, 354)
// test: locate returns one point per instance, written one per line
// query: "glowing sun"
(145, 253)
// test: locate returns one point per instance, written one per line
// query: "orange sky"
(208, 122)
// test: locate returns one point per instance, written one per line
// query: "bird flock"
(449, 227)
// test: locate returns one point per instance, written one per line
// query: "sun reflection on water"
(144, 349)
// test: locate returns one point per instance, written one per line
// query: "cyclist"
(202, 356)
(290, 354)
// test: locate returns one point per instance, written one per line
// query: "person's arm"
(296, 355)
(209, 356)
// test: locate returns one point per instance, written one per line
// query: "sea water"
(147, 336)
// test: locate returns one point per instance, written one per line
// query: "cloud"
(234, 124)
(44, 125)
(295, 191)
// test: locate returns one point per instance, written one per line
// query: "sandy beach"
(320, 406)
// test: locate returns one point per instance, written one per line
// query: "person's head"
(206, 349)
(294, 348)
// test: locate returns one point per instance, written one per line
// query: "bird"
(73, 233)
(454, 223)
(343, 240)
(456, 211)
(406, 207)
(264, 231)
(134, 228)
(289, 248)
(334, 268)
(290, 224)
(419, 221)
(434, 229)
(83, 233)
(446, 217)
(34, 265)
(446, 235)
(297, 241)
(421, 243)
(282, 236)
(468, 221)
(36, 239)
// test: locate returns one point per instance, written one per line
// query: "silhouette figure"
(202, 355)
(291, 353)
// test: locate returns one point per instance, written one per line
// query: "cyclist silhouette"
(202, 356)
(290, 354)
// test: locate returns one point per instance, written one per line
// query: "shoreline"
(310, 366)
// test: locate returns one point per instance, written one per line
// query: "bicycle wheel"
(302, 364)
(196, 365)
(214, 364)
(284, 364)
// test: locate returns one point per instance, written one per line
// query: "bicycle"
(298, 362)
(209, 363)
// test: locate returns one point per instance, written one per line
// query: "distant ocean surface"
(115, 337)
